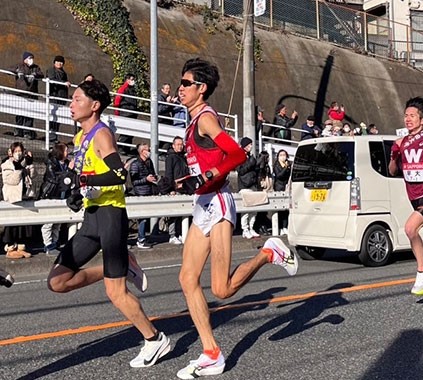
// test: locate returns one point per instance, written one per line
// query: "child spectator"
(336, 112)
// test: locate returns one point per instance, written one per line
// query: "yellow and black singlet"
(93, 165)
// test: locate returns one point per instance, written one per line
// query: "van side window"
(379, 157)
(387, 146)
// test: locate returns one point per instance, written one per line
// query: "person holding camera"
(100, 176)
(17, 172)
(143, 178)
(54, 187)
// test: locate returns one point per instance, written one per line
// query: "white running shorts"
(210, 209)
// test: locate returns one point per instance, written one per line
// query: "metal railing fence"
(337, 24)
(44, 109)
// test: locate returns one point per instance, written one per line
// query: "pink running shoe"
(282, 255)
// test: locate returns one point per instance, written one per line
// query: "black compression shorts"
(105, 228)
(417, 205)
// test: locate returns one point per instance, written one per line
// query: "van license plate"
(318, 195)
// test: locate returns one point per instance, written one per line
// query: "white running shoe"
(246, 234)
(135, 273)
(203, 366)
(418, 285)
(282, 255)
(6, 279)
(151, 352)
(175, 240)
(254, 234)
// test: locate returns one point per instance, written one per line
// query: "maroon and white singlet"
(412, 164)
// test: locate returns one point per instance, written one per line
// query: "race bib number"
(91, 192)
(194, 169)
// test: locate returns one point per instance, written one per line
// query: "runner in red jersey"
(410, 150)
(211, 155)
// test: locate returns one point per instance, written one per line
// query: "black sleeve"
(115, 176)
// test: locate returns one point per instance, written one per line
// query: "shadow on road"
(297, 320)
(402, 360)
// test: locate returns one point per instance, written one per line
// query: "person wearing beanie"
(27, 55)
(245, 141)
(56, 73)
(247, 182)
(27, 75)
(309, 129)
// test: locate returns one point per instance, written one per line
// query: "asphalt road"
(335, 320)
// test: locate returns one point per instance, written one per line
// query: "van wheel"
(376, 247)
(310, 253)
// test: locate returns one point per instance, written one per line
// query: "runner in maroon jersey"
(410, 150)
(211, 155)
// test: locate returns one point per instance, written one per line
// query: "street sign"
(259, 7)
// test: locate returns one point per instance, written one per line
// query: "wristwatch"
(209, 175)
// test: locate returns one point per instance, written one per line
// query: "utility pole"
(249, 128)
(154, 135)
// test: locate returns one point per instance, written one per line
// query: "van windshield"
(332, 161)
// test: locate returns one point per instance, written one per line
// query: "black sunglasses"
(189, 83)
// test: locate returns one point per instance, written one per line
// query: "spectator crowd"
(254, 175)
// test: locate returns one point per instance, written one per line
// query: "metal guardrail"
(43, 108)
(55, 211)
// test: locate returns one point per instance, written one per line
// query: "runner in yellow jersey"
(100, 179)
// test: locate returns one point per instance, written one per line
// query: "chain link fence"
(338, 24)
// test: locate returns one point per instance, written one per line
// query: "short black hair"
(204, 72)
(97, 90)
(129, 76)
(416, 102)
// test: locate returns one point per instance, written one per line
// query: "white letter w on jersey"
(413, 156)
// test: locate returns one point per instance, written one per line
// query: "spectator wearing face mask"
(125, 101)
(372, 130)
(281, 174)
(17, 172)
(27, 76)
(346, 130)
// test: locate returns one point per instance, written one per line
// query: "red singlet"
(203, 154)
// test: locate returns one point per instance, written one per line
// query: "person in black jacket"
(143, 177)
(281, 174)
(27, 76)
(284, 121)
(54, 187)
(247, 181)
(176, 167)
(57, 74)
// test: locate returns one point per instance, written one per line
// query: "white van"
(344, 198)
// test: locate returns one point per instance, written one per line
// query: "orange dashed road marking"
(282, 299)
